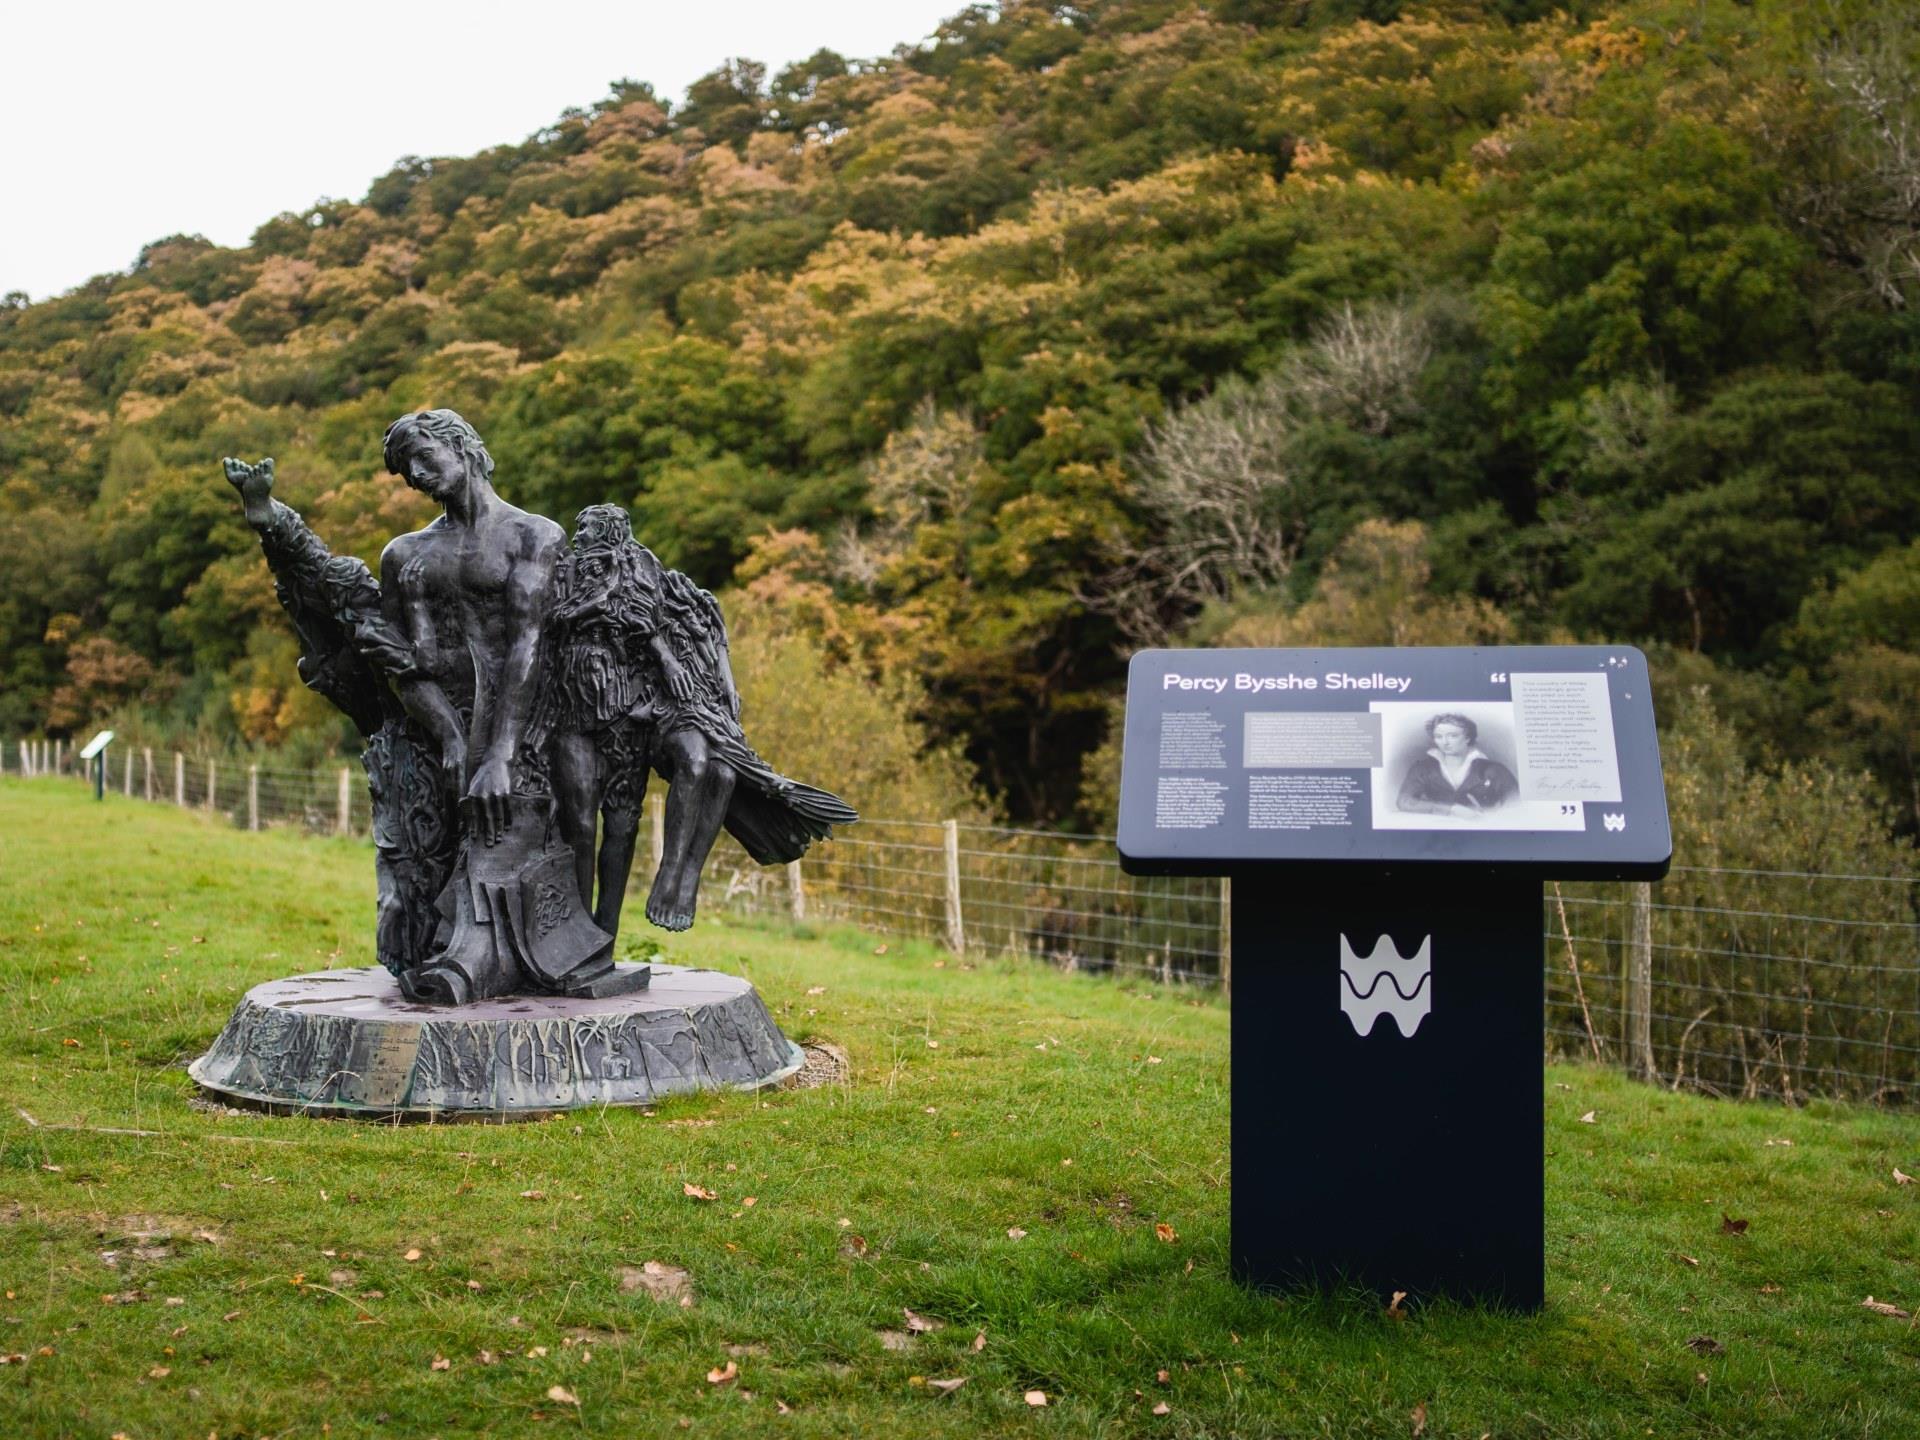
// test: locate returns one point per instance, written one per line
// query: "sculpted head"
(351, 591)
(601, 527)
(436, 452)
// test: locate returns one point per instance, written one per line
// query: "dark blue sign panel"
(1537, 758)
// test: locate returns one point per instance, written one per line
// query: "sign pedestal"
(1392, 1161)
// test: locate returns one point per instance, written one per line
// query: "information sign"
(1387, 818)
(1541, 758)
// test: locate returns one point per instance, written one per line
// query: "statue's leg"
(576, 794)
(696, 808)
(620, 829)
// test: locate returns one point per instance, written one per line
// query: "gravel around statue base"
(347, 1042)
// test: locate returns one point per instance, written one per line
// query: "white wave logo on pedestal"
(1386, 983)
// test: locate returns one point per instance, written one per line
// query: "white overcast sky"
(122, 122)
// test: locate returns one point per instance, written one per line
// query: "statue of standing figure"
(515, 695)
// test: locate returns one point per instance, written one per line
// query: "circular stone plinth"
(346, 1042)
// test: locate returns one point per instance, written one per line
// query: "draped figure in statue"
(630, 630)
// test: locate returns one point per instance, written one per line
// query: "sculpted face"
(434, 468)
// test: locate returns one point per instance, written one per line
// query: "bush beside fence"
(1734, 982)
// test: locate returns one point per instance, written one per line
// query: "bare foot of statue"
(670, 903)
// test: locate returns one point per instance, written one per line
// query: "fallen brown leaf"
(159, 1372)
(1165, 1233)
(1394, 1307)
(816, 990)
(895, 1340)
(1419, 1418)
(724, 1376)
(1014, 1232)
(878, 950)
(560, 1395)
(979, 1342)
(1769, 1289)
(1706, 1345)
(1036, 1398)
(1161, 1377)
(1881, 1307)
(698, 1192)
(947, 1387)
(411, 1256)
(1900, 1177)
(665, 1283)
(441, 1362)
(1588, 1118)
(1731, 1226)
(1163, 1408)
(1687, 1260)
(921, 1324)
(533, 1194)
(854, 1245)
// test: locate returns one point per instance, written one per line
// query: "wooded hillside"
(1077, 327)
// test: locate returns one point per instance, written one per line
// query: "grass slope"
(262, 1266)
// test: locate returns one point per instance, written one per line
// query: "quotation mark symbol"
(1498, 677)
(1614, 822)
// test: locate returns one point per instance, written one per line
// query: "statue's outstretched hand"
(254, 482)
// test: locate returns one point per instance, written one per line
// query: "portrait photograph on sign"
(1455, 766)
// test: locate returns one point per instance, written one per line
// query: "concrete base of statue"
(346, 1042)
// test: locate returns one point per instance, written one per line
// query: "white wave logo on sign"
(1386, 983)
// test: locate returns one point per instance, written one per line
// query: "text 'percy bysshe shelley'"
(1241, 680)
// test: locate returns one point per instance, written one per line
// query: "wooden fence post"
(26, 762)
(127, 781)
(179, 779)
(956, 926)
(212, 787)
(796, 890)
(146, 756)
(1226, 937)
(1638, 1016)
(657, 816)
(344, 826)
(253, 797)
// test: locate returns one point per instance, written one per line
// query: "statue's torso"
(457, 588)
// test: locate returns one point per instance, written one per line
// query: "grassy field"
(173, 1271)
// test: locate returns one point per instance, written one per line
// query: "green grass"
(127, 931)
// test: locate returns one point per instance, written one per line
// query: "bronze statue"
(515, 694)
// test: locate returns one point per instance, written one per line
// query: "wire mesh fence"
(1733, 982)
